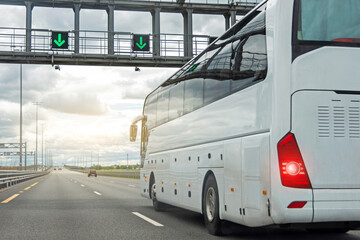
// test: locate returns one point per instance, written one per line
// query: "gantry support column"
(77, 27)
(111, 34)
(156, 31)
(29, 7)
(227, 21)
(188, 33)
(233, 17)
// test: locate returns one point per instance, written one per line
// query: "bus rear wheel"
(211, 206)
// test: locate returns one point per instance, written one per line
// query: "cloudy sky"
(85, 110)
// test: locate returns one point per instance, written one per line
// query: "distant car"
(92, 172)
(59, 168)
(54, 168)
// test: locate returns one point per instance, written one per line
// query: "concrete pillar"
(233, 17)
(29, 8)
(188, 33)
(77, 27)
(227, 21)
(110, 12)
(156, 31)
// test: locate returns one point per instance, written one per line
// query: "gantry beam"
(33, 55)
(147, 6)
(91, 60)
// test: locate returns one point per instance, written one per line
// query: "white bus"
(263, 127)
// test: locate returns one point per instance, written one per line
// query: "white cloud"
(212, 25)
(13, 16)
(53, 18)
(75, 103)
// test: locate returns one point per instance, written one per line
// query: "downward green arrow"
(59, 42)
(141, 45)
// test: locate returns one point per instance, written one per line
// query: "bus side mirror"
(133, 132)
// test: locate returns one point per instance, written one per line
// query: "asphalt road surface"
(69, 205)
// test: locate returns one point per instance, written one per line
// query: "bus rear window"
(335, 21)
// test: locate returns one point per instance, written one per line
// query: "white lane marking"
(82, 185)
(130, 185)
(97, 193)
(148, 219)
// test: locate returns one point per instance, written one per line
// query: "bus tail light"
(292, 168)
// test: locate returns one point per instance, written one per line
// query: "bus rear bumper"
(336, 211)
(336, 205)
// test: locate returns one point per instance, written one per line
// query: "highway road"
(70, 205)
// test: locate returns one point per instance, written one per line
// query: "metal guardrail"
(127, 174)
(8, 179)
(12, 173)
(243, 2)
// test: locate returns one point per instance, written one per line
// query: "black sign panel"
(141, 43)
(60, 40)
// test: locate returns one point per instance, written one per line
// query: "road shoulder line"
(10, 198)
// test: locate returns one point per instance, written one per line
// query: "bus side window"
(250, 62)
(198, 68)
(150, 110)
(194, 89)
(162, 113)
(221, 61)
(215, 89)
(217, 83)
(176, 101)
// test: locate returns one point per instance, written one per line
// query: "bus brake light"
(292, 168)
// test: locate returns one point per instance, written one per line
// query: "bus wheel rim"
(210, 204)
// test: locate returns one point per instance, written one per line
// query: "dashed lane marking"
(97, 193)
(130, 185)
(149, 220)
(34, 184)
(82, 185)
(10, 198)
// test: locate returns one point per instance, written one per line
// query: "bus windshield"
(329, 21)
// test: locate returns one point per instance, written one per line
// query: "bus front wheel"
(158, 206)
(211, 206)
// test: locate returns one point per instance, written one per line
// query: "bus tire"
(158, 206)
(210, 205)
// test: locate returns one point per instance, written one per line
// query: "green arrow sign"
(141, 43)
(60, 40)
